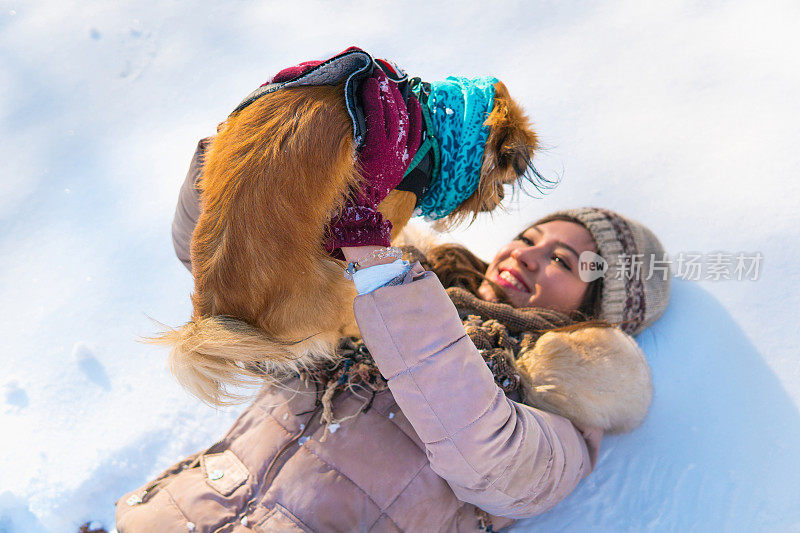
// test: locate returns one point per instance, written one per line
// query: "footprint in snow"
(15, 395)
(90, 366)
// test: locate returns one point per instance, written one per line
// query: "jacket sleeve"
(506, 458)
(188, 209)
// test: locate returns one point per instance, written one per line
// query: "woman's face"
(540, 267)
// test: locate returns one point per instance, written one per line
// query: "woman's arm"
(506, 458)
(188, 209)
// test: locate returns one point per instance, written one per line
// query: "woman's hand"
(358, 253)
(393, 136)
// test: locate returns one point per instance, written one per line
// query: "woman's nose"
(527, 256)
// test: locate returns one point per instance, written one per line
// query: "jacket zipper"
(265, 479)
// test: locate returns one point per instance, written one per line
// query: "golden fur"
(267, 296)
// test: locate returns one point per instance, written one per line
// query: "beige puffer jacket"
(441, 441)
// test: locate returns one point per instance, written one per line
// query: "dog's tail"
(220, 358)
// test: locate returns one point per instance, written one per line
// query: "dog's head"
(507, 156)
(506, 160)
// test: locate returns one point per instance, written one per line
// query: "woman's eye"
(564, 264)
(526, 240)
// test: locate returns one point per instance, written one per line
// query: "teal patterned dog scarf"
(457, 108)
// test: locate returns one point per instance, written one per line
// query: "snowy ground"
(680, 114)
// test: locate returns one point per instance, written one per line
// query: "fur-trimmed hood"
(594, 376)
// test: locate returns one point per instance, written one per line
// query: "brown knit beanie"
(636, 285)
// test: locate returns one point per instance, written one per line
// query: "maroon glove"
(393, 136)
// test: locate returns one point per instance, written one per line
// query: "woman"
(427, 445)
(425, 426)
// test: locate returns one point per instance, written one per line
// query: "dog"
(268, 300)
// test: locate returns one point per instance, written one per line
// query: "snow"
(681, 115)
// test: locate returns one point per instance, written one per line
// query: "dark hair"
(590, 306)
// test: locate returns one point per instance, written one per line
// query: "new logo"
(591, 266)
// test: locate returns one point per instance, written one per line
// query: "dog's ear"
(511, 142)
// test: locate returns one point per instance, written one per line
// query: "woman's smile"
(509, 279)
